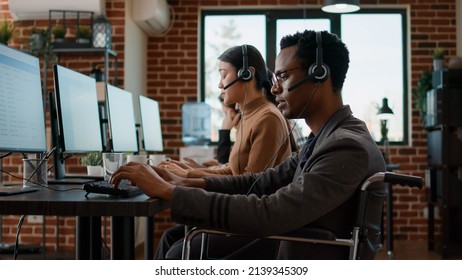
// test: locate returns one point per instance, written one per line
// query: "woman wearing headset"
(262, 132)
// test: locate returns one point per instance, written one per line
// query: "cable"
(242, 129)
(48, 169)
(67, 156)
(272, 158)
(5, 155)
(38, 184)
(16, 245)
(287, 137)
(107, 250)
(62, 160)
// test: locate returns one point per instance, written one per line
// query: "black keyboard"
(104, 187)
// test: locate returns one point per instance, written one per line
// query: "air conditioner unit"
(152, 16)
(27, 9)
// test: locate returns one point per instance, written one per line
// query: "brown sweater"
(260, 133)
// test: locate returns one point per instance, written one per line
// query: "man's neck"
(317, 122)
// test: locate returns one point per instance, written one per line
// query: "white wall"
(135, 61)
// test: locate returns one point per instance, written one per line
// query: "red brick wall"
(32, 233)
(172, 79)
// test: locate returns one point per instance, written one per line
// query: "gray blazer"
(290, 196)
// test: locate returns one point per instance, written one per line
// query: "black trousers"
(219, 246)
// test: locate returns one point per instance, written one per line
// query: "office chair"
(365, 239)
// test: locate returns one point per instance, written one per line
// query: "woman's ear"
(252, 69)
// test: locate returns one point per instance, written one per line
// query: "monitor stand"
(13, 188)
(60, 176)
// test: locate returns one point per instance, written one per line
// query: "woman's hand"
(212, 162)
(174, 168)
(192, 163)
(168, 176)
(175, 162)
(230, 119)
(146, 178)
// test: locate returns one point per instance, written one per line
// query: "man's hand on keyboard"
(147, 179)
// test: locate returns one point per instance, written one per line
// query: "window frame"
(312, 13)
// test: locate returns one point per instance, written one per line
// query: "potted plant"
(58, 33)
(94, 163)
(83, 35)
(38, 41)
(40, 45)
(438, 59)
(6, 31)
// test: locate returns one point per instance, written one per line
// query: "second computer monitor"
(150, 125)
(121, 120)
(78, 115)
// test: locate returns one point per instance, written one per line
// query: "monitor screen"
(22, 118)
(121, 120)
(150, 125)
(77, 108)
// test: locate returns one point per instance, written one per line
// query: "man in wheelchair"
(315, 187)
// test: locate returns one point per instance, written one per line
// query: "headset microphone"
(232, 83)
(308, 78)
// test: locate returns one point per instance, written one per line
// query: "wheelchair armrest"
(304, 232)
(395, 178)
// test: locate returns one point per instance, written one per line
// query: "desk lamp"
(384, 113)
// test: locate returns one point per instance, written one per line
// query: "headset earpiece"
(319, 71)
(245, 74)
(319, 74)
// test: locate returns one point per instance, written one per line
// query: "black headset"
(319, 69)
(318, 72)
(244, 74)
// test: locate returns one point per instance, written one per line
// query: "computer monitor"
(79, 128)
(22, 118)
(150, 125)
(122, 124)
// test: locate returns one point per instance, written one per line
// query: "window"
(378, 66)
(376, 69)
(223, 32)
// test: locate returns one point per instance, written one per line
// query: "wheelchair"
(366, 234)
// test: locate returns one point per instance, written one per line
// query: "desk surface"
(66, 202)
